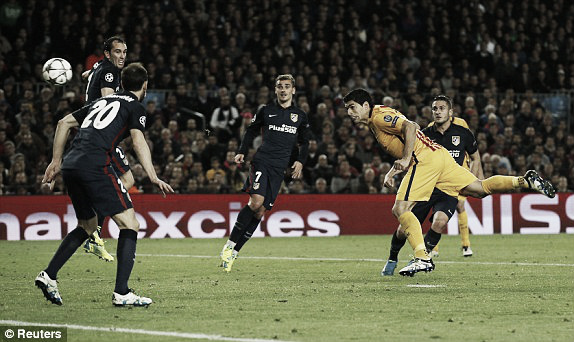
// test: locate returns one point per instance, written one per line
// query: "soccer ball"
(57, 71)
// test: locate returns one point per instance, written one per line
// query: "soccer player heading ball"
(427, 165)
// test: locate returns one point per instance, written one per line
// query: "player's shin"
(126, 253)
(396, 244)
(432, 239)
(463, 229)
(249, 230)
(243, 219)
(500, 184)
(413, 231)
(67, 248)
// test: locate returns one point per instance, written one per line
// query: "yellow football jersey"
(386, 124)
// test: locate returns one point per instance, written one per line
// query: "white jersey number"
(122, 187)
(104, 113)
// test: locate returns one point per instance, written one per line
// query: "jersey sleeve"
(472, 145)
(303, 136)
(388, 120)
(81, 113)
(109, 78)
(252, 131)
(137, 118)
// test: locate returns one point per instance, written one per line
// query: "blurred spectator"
(235, 178)
(323, 169)
(364, 183)
(225, 119)
(341, 181)
(321, 187)
(296, 186)
(215, 169)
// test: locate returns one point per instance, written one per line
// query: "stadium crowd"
(216, 62)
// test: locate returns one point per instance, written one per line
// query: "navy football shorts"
(439, 201)
(96, 190)
(265, 181)
(120, 161)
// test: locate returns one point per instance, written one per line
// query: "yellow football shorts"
(433, 169)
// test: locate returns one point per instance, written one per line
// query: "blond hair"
(285, 77)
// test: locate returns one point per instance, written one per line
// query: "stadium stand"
(508, 66)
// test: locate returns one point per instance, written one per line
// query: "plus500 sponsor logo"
(284, 128)
(454, 153)
(175, 224)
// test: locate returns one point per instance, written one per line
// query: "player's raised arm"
(60, 138)
(409, 130)
(476, 165)
(144, 156)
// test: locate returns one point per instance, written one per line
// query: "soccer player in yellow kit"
(427, 165)
(453, 134)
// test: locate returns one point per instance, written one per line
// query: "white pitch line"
(425, 285)
(352, 259)
(138, 331)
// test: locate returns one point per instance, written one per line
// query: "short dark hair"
(443, 98)
(360, 96)
(110, 42)
(285, 77)
(134, 76)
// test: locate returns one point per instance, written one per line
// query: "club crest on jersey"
(294, 117)
(388, 118)
(142, 120)
(109, 77)
(255, 186)
(456, 140)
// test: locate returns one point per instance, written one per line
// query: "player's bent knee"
(401, 207)
(89, 225)
(440, 222)
(127, 220)
(474, 190)
(256, 206)
(398, 210)
(256, 203)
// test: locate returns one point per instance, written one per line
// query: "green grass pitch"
(515, 288)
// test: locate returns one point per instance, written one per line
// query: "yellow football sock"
(463, 228)
(414, 233)
(500, 184)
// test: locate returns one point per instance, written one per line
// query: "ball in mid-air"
(57, 71)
